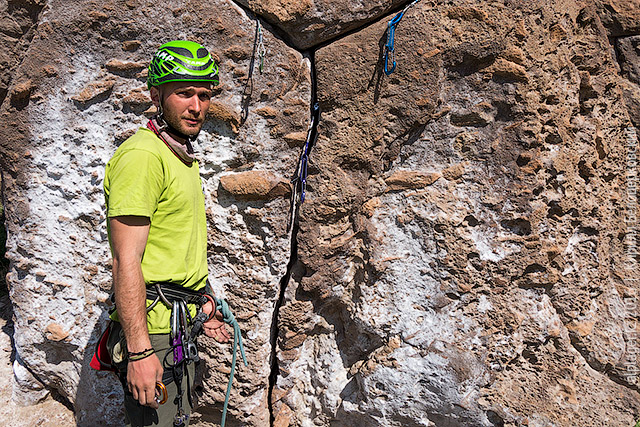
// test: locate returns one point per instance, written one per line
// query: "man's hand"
(142, 376)
(215, 328)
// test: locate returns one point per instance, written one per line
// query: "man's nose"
(195, 105)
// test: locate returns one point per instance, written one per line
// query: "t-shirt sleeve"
(136, 182)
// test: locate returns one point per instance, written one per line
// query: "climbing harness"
(261, 50)
(183, 346)
(389, 49)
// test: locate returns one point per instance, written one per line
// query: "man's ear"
(155, 96)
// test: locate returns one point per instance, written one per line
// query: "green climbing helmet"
(182, 60)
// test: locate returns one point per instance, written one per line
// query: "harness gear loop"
(389, 48)
(158, 297)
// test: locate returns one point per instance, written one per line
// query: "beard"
(175, 121)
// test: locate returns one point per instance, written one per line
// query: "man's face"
(185, 104)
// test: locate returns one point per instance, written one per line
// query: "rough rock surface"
(309, 23)
(61, 126)
(45, 413)
(18, 20)
(466, 255)
(620, 17)
(628, 53)
(498, 294)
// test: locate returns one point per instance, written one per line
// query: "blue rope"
(229, 318)
(389, 48)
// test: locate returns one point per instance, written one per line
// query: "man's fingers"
(145, 397)
(150, 398)
(218, 333)
(142, 376)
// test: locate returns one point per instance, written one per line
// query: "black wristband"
(141, 354)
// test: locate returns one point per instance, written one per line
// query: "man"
(157, 227)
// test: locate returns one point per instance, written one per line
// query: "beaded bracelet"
(141, 354)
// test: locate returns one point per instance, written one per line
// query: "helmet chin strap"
(164, 126)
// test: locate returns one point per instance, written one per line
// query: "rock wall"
(466, 255)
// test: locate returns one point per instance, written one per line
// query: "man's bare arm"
(128, 240)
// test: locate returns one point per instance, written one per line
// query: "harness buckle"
(191, 352)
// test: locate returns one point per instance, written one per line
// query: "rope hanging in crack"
(389, 48)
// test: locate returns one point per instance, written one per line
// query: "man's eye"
(205, 96)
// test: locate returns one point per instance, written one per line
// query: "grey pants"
(137, 415)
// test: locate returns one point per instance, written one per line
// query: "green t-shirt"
(144, 178)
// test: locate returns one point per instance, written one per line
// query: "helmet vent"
(182, 51)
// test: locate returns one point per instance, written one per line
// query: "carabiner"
(388, 71)
(183, 317)
(389, 46)
(180, 419)
(175, 319)
(261, 50)
(161, 390)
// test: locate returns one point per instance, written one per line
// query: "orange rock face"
(254, 185)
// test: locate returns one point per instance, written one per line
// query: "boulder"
(466, 254)
(56, 145)
(309, 23)
(500, 294)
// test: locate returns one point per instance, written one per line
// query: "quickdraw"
(180, 348)
(261, 50)
(300, 180)
(389, 48)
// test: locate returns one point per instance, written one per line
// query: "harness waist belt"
(168, 292)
